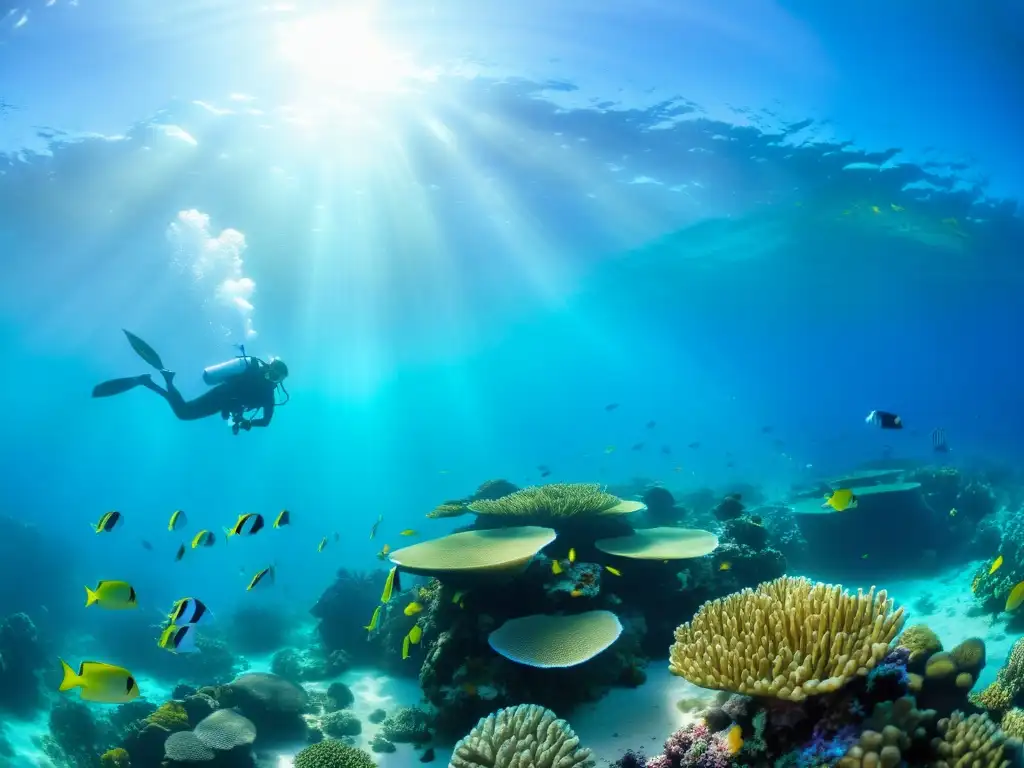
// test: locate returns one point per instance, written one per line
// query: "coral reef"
(410, 725)
(275, 705)
(353, 593)
(524, 735)
(309, 663)
(789, 638)
(21, 659)
(544, 504)
(340, 723)
(75, 737)
(115, 758)
(332, 753)
(1005, 691)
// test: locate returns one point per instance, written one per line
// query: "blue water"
(777, 216)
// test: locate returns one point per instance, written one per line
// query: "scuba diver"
(240, 388)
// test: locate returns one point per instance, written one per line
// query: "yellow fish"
(373, 620)
(725, 566)
(112, 595)
(576, 593)
(405, 647)
(178, 639)
(734, 740)
(457, 597)
(1016, 597)
(384, 551)
(572, 555)
(556, 567)
(875, 209)
(266, 576)
(373, 530)
(952, 512)
(409, 532)
(415, 634)
(996, 565)
(177, 520)
(109, 522)
(613, 571)
(413, 608)
(323, 543)
(390, 585)
(247, 524)
(840, 500)
(204, 538)
(284, 517)
(896, 208)
(103, 683)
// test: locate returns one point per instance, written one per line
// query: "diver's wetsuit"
(248, 391)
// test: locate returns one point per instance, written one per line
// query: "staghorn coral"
(790, 638)
(524, 736)
(557, 500)
(332, 753)
(115, 758)
(973, 741)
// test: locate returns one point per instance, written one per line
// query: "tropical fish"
(897, 208)
(405, 647)
(373, 620)
(109, 522)
(952, 512)
(996, 565)
(178, 639)
(384, 551)
(178, 520)
(249, 524)
(376, 525)
(112, 595)
(726, 566)
(840, 500)
(576, 593)
(391, 585)
(1016, 597)
(875, 209)
(457, 597)
(884, 419)
(284, 517)
(180, 553)
(613, 571)
(611, 407)
(544, 470)
(103, 683)
(146, 545)
(415, 634)
(265, 577)
(413, 608)
(610, 449)
(572, 555)
(409, 532)
(323, 543)
(188, 610)
(734, 740)
(204, 538)
(556, 567)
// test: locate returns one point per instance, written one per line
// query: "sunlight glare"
(340, 50)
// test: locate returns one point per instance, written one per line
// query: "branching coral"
(524, 736)
(999, 696)
(170, 715)
(115, 758)
(557, 500)
(790, 638)
(333, 754)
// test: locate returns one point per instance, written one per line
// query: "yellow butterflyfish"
(413, 608)
(405, 647)
(572, 555)
(1016, 597)
(556, 567)
(415, 634)
(996, 565)
(840, 500)
(613, 571)
(373, 620)
(734, 740)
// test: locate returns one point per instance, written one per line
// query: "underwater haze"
(683, 247)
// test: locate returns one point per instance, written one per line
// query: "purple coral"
(693, 747)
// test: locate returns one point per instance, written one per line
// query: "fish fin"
(71, 678)
(117, 386)
(143, 350)
(90, 597)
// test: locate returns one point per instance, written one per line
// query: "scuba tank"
(221, 372)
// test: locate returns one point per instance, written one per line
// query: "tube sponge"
(523, 736)
(790, 638)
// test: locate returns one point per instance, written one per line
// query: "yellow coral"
(557, 500)
(790, 638)
(940, 665)
(999, 696)
(170, 715)
(448, 509)
(1012, 723)
(115, 758)
(970, 741)
(920, 640)
(994, 698)
(970, 654)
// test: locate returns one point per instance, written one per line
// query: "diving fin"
(143, 350)
(117, 386)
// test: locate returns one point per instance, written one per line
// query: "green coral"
(1012, 723)
(557, 500)
(333, 754)
(920, 640)
(115, 758)
(448, 509)
(170, 715)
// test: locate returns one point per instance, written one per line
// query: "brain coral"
(789, 638)
(225, 729)
(184, 747)
(524, 736)
(333, 754)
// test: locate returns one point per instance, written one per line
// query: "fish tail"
(228, 533)
(90, 597)
(71, 678)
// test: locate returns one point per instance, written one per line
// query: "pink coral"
(693, 747)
